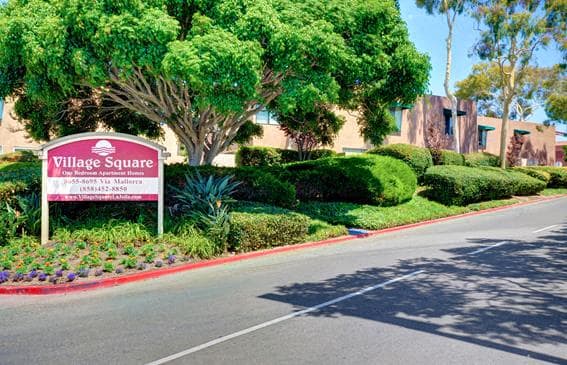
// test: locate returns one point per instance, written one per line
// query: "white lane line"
(546, 228)
(279, 319)
(487, 248)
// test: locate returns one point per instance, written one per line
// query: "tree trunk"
(448, 93)
(504, 133)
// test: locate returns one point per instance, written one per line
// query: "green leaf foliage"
(418, 158)
(447, 157)
(481, 159)
(221, 60)
(558, 175)
(379, 180)
(461, 185)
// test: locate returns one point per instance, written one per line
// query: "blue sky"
(429, 33)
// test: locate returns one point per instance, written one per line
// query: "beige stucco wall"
(12, 134)
(539, 145)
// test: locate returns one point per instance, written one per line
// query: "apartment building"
(414, 122)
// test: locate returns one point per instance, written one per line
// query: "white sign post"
(101, 167)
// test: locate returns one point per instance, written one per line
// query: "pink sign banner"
(102, 169)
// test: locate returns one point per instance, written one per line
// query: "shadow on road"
(511, 298)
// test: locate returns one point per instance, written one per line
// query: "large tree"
(204, 67)
(511, 32)
(450, 9)
(534, 88)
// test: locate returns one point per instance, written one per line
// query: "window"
(18, 149)
(351, 151)
(482, 135)
(397, 114)
(448, 124)
(265, 117)
(1, 110)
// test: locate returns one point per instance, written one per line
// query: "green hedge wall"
(461, 185)
(481, 159)
(258, 228)
(268, 156)
(418, 158)
(558, 175)
(372, 179)
(19, 178)
(259, 185)
(446, 157)
(538, 174)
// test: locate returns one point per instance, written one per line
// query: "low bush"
(20, 156)
(258, 156)
(372, 179)
(481, 159)
(259, 227)
(558, 175)
(19, 178)
(418, 158)
(538, 174)
(258, 185)
(461, 185)
(446, 157)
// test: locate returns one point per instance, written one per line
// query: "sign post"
(101, 167)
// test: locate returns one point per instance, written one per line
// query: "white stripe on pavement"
(278, 320)
(487, 248)
(546, 228)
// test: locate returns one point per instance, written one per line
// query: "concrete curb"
(130, 278)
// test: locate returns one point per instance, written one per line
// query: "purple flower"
(42, 277)
(141, 266)
(98, 272)
(18, 277)
(119, 270)
(59, 273)
(83, 273)
(159, 263)
(28, 278)
(71, 276)
(171, 259)
(32, 274)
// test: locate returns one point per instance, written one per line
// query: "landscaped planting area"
(267, 202)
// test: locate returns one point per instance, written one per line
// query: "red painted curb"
(108, 282)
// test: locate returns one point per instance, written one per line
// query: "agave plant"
(205, 195)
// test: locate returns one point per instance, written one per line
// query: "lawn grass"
(553, 191)
(373, 217)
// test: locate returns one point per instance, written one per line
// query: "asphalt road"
(489, 289)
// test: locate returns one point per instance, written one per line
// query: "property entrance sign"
(101, 167)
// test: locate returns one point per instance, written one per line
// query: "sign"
(102, 167)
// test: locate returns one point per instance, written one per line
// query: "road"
(488, 289)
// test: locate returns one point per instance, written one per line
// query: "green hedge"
(20, 156)
(258, 185)
(558, 175)
(268, 156)
(481, 159)
(446, 157)
(372, 179)
(418, 158)
(461, 185)
(538, 174)
(258, 156)
(19, 178)
(260, 228)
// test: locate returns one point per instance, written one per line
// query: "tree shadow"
(510, 298)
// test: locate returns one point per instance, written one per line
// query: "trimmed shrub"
(481, 159)
(379, 180)
(256, 228)
(538, 174)
(461, 185)
(418, 158)
(257, 156)
(558, 175)
(446, 157)
(257, 184)
(20, 156)
(18, 178)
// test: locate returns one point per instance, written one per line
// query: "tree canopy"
(536, 87)
(202, 67)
